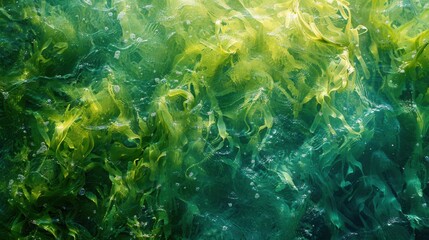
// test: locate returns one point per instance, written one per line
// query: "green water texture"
(226, 119)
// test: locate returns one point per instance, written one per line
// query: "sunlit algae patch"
(203, 119)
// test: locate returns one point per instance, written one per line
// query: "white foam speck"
(121, 15)
(117, 54)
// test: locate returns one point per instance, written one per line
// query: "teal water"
(227, 119)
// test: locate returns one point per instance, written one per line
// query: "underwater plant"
(228, 119)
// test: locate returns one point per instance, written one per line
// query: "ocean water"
(226, 119)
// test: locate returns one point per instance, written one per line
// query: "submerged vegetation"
(226, 119)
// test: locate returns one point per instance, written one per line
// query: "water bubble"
(117, 54)
(116, 88)
(229, 204)
(233, 195)
(121, 15)
(257, 196)
(21, 177)
(5, 95)
(11, 183)
(82, 191)
(43, 148)
(224, 228)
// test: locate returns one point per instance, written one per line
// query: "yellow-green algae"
(226, 119)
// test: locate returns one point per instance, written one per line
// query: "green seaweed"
(195, 119)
